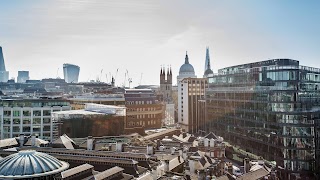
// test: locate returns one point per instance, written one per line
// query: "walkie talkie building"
(270, 108)
(71, 73)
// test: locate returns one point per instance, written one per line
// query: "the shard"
(4, 75)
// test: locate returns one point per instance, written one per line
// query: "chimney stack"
(150, 149)
(33, 140)
(166, 165)
(119, 147)
(21, 140)
(89, 143)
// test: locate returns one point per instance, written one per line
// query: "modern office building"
(23, 76)
(191, 92)
(270, 108)
(4, 75)
(71, 73)
(29, 117)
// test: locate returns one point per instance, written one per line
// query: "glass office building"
(270, 108)
(71, 73)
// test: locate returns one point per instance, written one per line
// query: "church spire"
(187, 58)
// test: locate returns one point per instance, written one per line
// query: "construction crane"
(140, 79)
(129, 79)
(58, 73)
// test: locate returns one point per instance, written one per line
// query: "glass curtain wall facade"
(270, 108)
(71, 73)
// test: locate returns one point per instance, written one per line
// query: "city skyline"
(142, 36)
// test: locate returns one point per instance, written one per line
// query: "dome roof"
(186, 68)
(30, 164)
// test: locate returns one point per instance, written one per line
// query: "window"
(7, 113)
(37, 113)
(46, 128)
(16, 129)
(26, 121)
(16, 121)
(46, 120)
(26, 129)
(26, 113)
(6, 121)
(46, 112)
(36, 121)
(16, 113)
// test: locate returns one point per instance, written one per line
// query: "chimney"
(230, 168)
(33, 140)
(21, 140)
(89, 143)
(149, 149)
(172, 150)
(158, 144)
(166, 165)
(201, 174)
(246, 165)
(192, 165)
(119, 147)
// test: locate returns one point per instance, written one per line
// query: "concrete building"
(269, 108)
(29, 117)
(71, 73)
(192, 90)
(23, 76)
(4, 75)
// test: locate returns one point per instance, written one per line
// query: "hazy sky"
(142, 35)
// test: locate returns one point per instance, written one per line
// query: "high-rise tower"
(4, 75)
(207, 66)
(71, 73)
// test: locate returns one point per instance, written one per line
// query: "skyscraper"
(207, 66)
(23, 76)
(71, 73)
(4, 75)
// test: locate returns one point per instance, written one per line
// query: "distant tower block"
(23, 76)
(71, 73)
(4, 75)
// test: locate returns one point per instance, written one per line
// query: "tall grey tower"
(207, 67)
(4, 75)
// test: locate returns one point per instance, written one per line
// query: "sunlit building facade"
(270, 108)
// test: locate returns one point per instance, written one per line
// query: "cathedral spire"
(187, 58)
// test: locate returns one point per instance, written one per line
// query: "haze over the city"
(140, 36)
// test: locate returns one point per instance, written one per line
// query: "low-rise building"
(94, 120)
(29, 116)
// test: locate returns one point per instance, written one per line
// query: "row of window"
(139, 102)
(26, 121)
(17, 113)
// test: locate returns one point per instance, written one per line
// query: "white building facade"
(29, 117)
